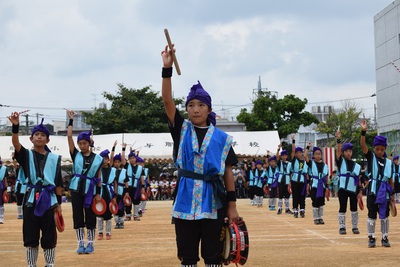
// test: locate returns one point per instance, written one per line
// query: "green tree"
(270, 113)
(347, 119)
(132, 111)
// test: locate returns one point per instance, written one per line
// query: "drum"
(143, 196)
(99, 207)
(113, 206)
(360, 203)
(148, 191)
(393, 209)
(59, 221)
(236, 248)
(6, 197)
(127, 200)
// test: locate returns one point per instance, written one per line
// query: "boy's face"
(317, 155)
(284, 157)
(198, 112)
(132, 160)
(396, 161)
(348, 154)
(379, 151)
(106, 160)
(83, 146)
(39, 139)
(117, 163)
(272, 163)
(299, 155)
(259, 166)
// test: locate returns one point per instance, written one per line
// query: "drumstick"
(178, 70)
(25, 111)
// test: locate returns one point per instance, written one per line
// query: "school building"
(387, 68)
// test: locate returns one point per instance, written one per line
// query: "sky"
(65, 54)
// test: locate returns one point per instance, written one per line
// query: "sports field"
(275, 240)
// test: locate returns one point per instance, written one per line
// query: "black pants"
(19, 198)
(251, 192)
(131, 192)
(298, 199)
(344, 196)
(120, 211)
(373, 208)
(258, 191)
(317, 201)
(273, 192)
(106, 196)
(83, 217)
(32, 225)
(189, 233)
(283, 190)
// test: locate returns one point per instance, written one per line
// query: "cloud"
(66, 53)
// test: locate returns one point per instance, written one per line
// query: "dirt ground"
(275, 240)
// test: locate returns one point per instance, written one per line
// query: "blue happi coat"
(195, 198)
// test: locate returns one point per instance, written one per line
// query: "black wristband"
(124, 148)
(98, 190)
(113, 149)
(231, 196)
(59, 199)
(308, 147)
(166, 72)
(293, 141)
(363, 133)
(71, 122)
(338, 141)
(15, 128)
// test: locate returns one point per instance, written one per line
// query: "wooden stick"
(178, 70)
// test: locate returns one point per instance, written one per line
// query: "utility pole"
(37, 117)
(27, 124)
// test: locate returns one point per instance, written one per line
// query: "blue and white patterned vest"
(195, 198)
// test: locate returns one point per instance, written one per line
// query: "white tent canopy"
(149, 145)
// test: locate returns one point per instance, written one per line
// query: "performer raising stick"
(43, 195)
(204, 157)
(349, 184)
(380, 186)
(85, 184)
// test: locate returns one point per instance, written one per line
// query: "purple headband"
(258, 162)
(396, 157)
(272, 158)
(139, 159)
(197, 92)
(316, 149)
(380, 140)
(84, 136)
(117, 157)
(283, 152)
(347, 146)
(105, 153)
(132, 154)
(298, 149)
(41, 128)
